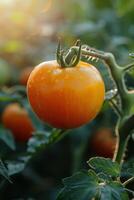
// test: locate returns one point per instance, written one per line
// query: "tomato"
(4, 72)
(65, 97)
(25, 75)
(16, 119)
(103, 143)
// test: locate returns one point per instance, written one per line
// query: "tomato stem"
(69, 58)
(128, 67)
(117, 73)
(115, 107)
(120, 149)
(128, 181)
(124, 128)
(115, 70)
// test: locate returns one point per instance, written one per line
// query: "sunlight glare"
(6, 1)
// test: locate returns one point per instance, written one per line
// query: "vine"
(125, 122)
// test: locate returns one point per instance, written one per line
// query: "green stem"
(130, 191)
(128, 181)
(124, 128)
(128, 67)
(126, 118)
(68, 58)
(115, 107)
(120, 149)
(115, 70)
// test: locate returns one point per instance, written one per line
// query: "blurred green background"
(29, 35)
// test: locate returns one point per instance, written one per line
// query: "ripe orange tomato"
(103, 143)
(25, 75)
(17, 120)
(65, 97)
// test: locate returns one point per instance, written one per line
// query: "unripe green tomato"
(4, 72)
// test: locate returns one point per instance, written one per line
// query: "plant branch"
(124, 128)
(126, 118)
(115, 107)
(128, 181)
(128, 67)
(130, 191)
(115, 70)
(120, 149)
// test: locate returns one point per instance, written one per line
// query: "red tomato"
(17, 120)
(103, 143)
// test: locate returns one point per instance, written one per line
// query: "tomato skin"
(103, 143)
(65, 97)
(25, 75)
(16, 119)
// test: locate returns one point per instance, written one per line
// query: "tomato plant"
(64, 100)
(16, 119)
(68, 93)
(55, 81)
(103, 174)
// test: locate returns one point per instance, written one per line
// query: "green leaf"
(84, 186)
(128, 168)
(41, 139)
(81, 186)
(15, 167)
(18, 89)
(113, 191)
(124, 6)
(105, 165)
(131, 55)
(7, 137)
(104, 177)
(4, 171)
(9, 97)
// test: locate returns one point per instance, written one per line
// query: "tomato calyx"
(69, 58)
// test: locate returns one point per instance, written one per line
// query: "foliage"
(98, 184)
